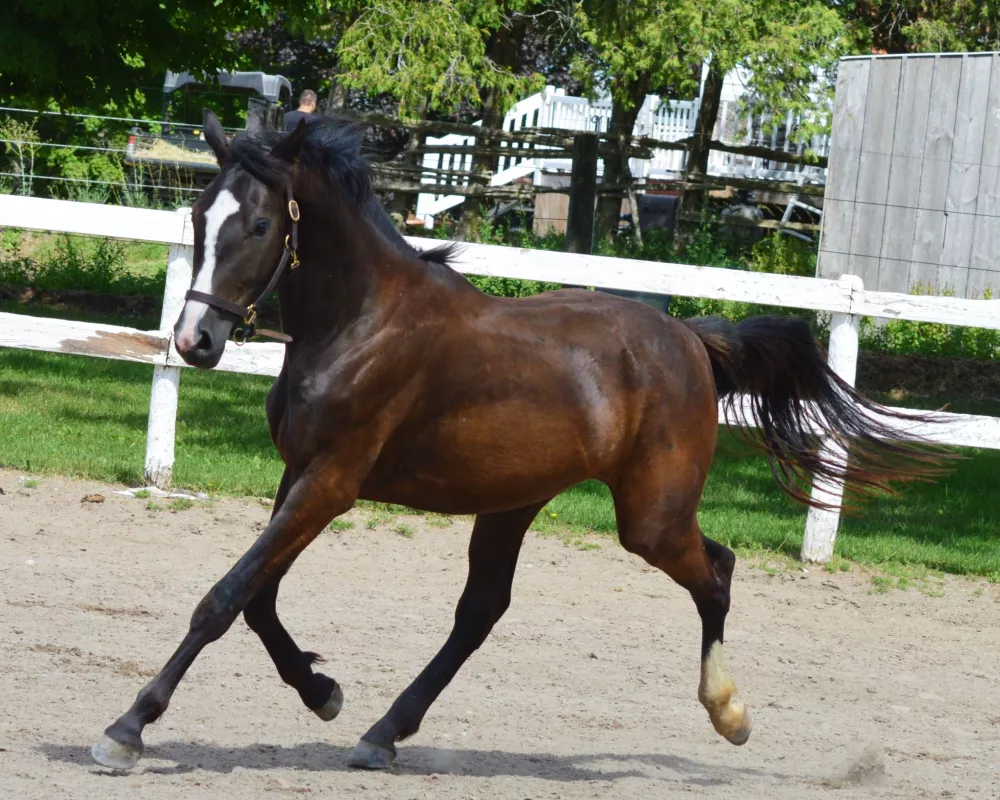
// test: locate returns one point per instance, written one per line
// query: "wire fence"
(94, 170)
(122, 179)
(99, 182)
(72, 115)
(32, 143)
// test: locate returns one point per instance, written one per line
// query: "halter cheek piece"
(249, 330)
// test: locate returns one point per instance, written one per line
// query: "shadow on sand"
(422, 760)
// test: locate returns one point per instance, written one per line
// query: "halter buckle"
(295, 256)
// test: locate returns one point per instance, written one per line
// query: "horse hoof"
(371, 756)
(741, 733)
(115, 755)
(331, 707)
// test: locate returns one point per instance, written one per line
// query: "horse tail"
(794, 400)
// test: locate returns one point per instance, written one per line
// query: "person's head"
(307, 101)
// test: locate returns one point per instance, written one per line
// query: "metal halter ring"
(248, 329)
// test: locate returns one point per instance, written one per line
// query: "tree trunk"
(482, 168)
(616, 168)
(403, 203)
(505, 52)
(338, 95)
(582, 194)
(697, 161)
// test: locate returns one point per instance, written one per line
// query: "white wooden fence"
(667, 121)
(846, 299)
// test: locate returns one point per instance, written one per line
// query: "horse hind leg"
(717, 690)
(650, 526)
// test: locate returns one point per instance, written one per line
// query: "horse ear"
(215, 136)
(288, 148)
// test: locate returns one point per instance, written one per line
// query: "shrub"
(900, 336)
(77, 264)
(783, 255)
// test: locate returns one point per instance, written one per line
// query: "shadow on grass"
(143, 322)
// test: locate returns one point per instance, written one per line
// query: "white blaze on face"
(222, 208)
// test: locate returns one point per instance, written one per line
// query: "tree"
(86, 53)
(636, 48)
(922, 26)
(441, 56)
(786, 50)
(659, 46)
(437, 53)
(305, 56)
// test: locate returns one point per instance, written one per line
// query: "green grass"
(87, 417)
(951, 526)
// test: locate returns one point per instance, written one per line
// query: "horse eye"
(261, 227)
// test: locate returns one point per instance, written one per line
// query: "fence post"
(582, 195)
(162, 427)
(821, 524)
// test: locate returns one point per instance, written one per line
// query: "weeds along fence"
(845, 299)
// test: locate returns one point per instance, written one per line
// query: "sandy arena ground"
(587, 688)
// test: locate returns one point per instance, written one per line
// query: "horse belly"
(493, 458)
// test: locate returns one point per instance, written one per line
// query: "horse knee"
(214, 615)
(475, 617)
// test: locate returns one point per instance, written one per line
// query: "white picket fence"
(845, 299)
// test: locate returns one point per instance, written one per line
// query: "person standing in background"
(306, 110)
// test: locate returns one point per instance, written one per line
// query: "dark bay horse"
(403, 383)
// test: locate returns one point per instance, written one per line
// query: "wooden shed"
(913, 189)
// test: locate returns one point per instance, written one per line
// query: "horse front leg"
(493, 550)
(313, 500)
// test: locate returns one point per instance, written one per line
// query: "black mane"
(332, 149)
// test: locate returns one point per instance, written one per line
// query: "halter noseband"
(249, 330)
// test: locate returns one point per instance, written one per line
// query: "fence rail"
(846, 299)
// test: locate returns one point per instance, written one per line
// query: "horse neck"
(344, 270)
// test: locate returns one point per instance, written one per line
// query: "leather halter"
(248, 314)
